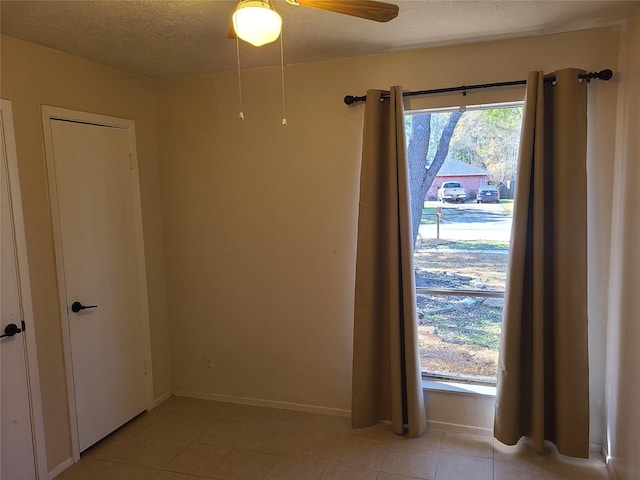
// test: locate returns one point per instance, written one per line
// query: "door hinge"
(146, 368)
(131, 161)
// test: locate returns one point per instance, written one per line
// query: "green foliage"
(489, 139)
(506, 119)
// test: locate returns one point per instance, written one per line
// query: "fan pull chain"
(284, 113)
(239, 77)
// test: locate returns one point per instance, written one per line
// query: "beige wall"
(32, 76)
(260, 220)
(623, 357)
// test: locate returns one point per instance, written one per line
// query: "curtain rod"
(601, 75)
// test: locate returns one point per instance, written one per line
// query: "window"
(462, 173)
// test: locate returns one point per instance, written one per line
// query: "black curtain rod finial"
(605, 75)
(350, 99)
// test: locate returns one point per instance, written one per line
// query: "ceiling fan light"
(255, 22)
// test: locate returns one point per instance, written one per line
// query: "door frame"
(24, 283)
(50, 113)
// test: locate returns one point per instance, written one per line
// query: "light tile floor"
(190, 439)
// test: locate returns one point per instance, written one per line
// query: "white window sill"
(458, 387)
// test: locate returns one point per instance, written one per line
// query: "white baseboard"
(609, 462)
(61, 468)
(456, 428)
(162, 398)
(256, 402)
(69, 461)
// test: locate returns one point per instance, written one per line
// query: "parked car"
(451, 192)
(488, 193)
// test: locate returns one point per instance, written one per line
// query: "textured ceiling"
(168, 38)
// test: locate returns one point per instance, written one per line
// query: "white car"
(451, 192)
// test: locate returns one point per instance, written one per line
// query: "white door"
(18, 455)
(95, 199)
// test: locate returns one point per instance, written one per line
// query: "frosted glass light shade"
(256, 23)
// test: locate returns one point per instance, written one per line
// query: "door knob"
(10, 330)
(77, 306)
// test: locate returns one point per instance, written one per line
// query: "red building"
(468, 176)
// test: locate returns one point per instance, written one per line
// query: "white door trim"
(54, 113)
(33, 373)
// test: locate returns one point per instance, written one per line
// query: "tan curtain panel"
(543, 378)
(386, 361)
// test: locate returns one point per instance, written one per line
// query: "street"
(473, 221)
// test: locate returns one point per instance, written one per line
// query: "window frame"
(435, 377)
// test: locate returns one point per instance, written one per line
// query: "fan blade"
(368, 9)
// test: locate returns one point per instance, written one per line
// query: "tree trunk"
(417, 151)
(420, 177)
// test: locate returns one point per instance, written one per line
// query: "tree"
(423, 168)
(489, 139)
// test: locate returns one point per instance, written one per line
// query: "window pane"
(462, 180)
(465, 256)
(459, 336)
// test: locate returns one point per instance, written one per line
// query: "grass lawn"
(432, 243)
(459, 336)
(507, 204)
(447, 214)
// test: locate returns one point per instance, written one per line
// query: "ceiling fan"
(256, 22)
